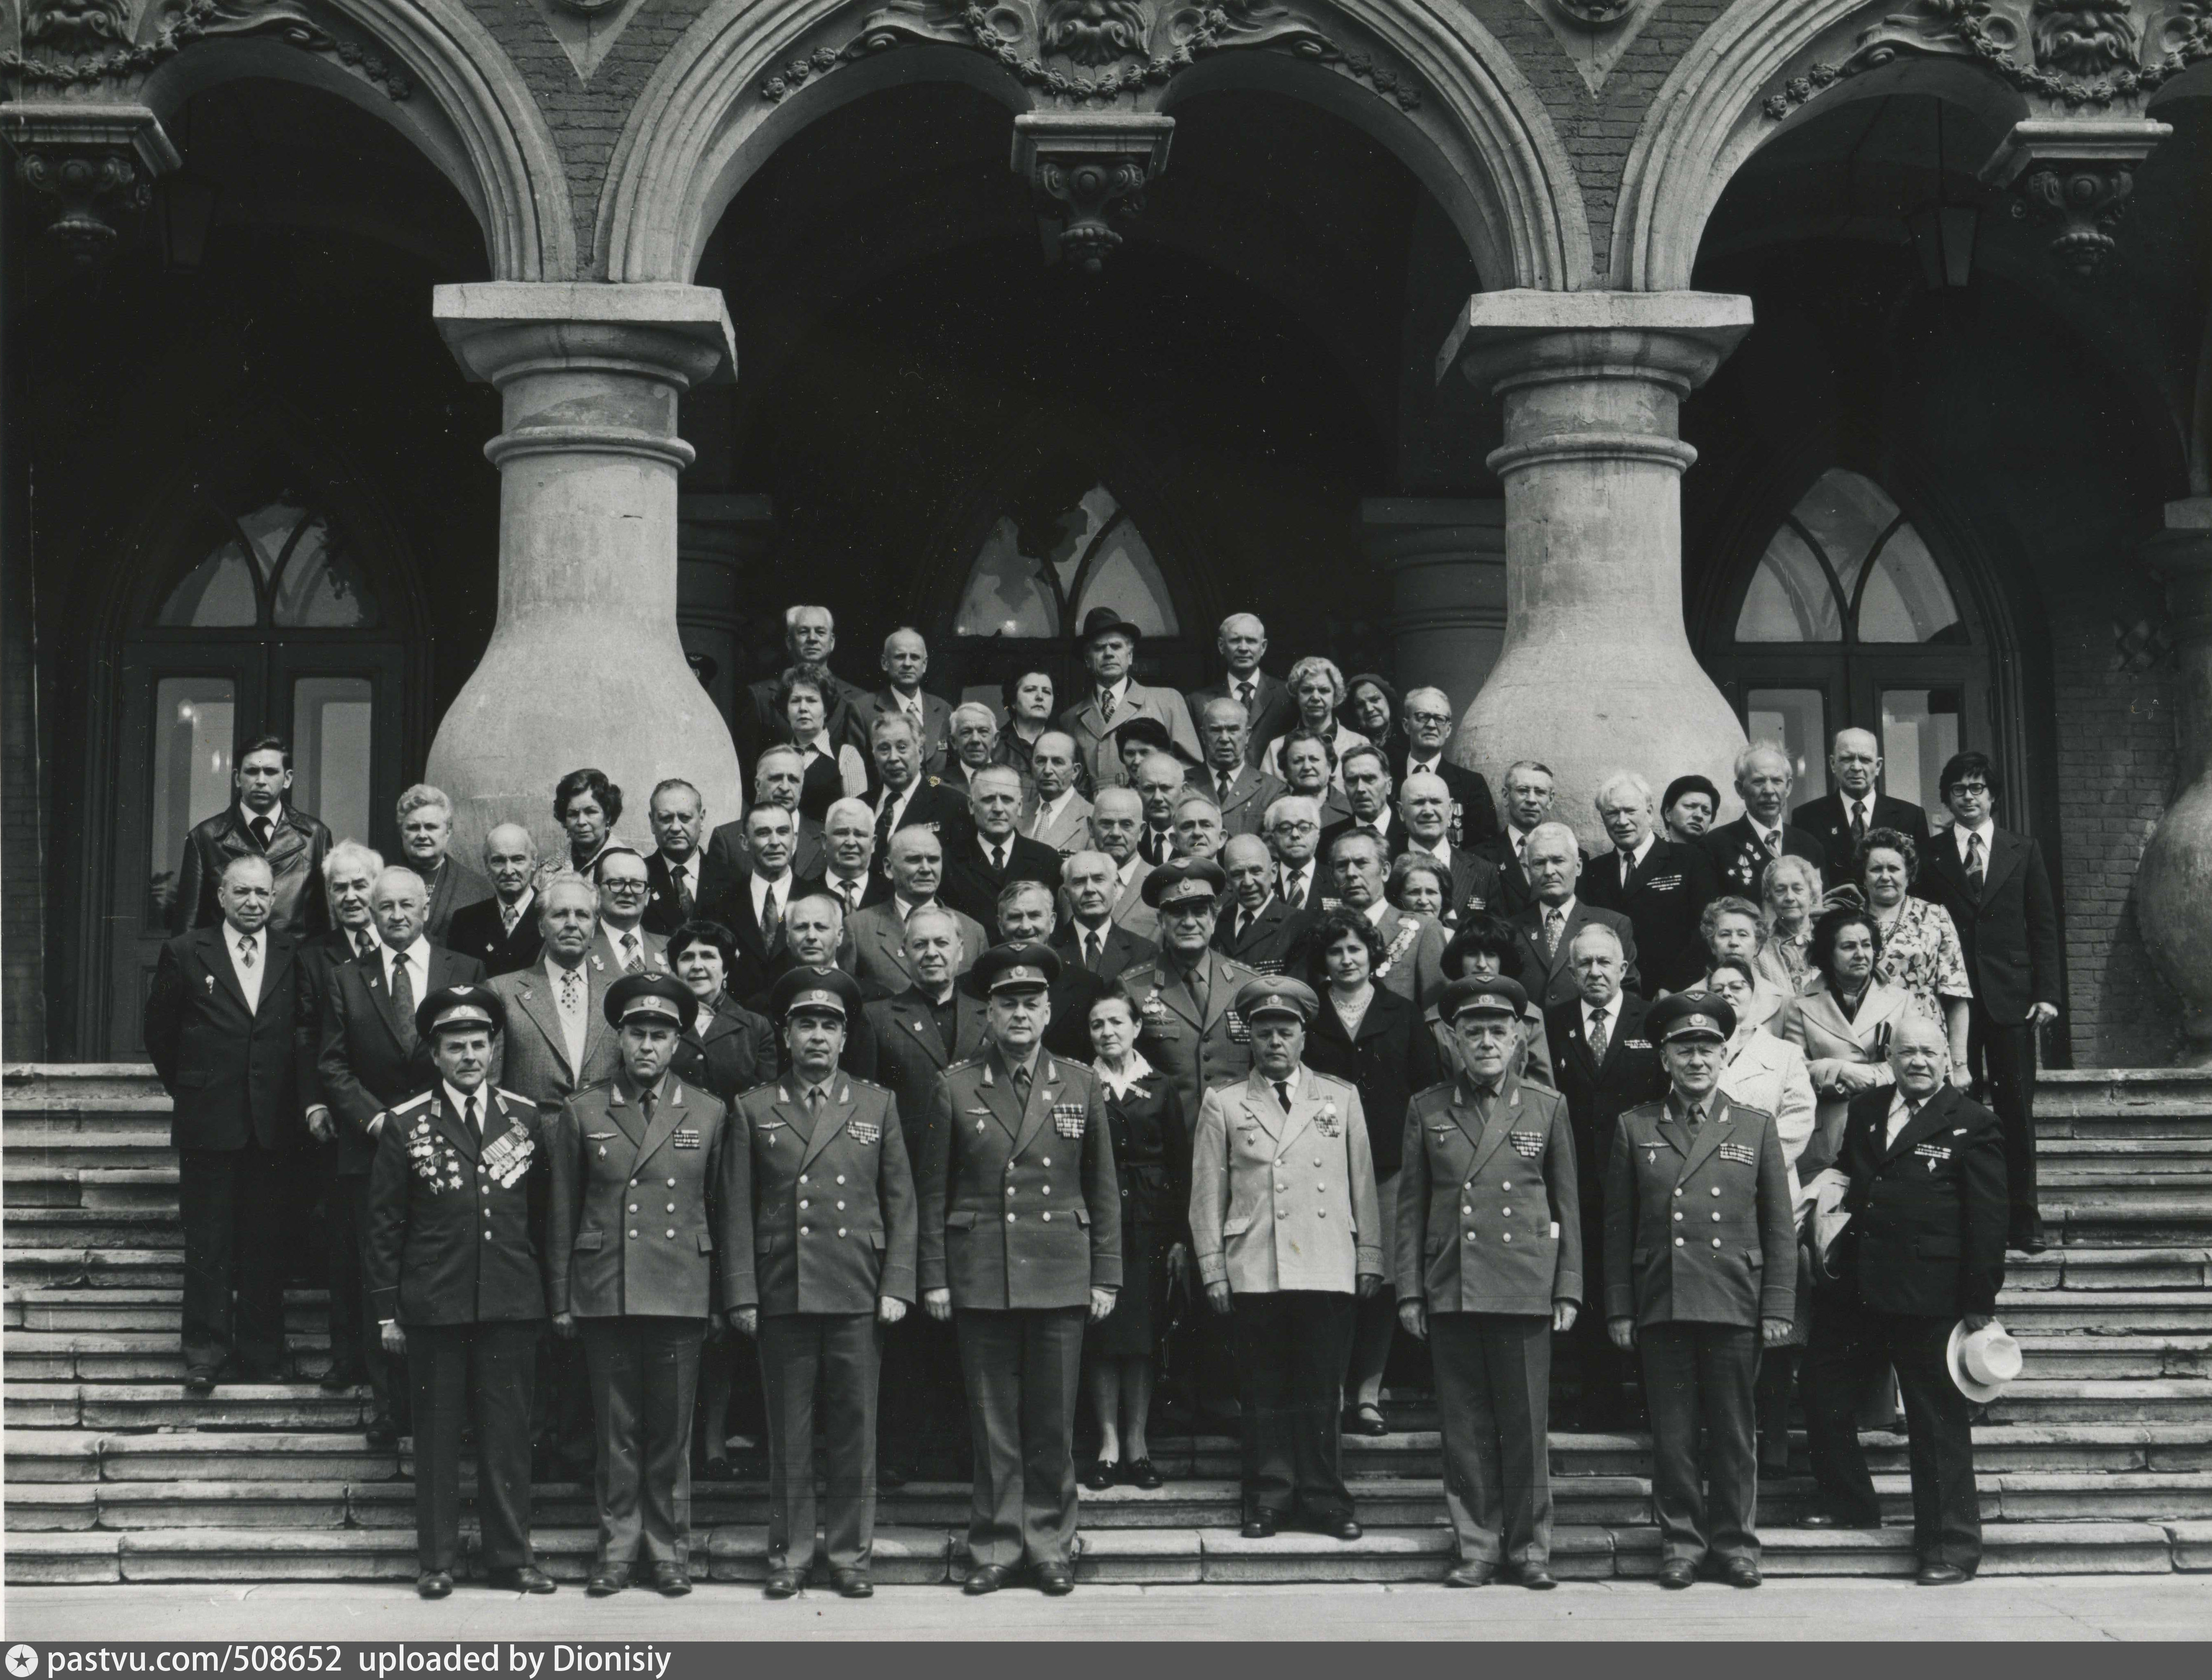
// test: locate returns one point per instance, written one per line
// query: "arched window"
(1847, 620)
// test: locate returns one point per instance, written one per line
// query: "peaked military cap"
(460, 1007)
(1016, 965)
(1497, 996)
(1184, 878)
(1691, 1016)
(826, 988)
(1277, 995)
(651, 996)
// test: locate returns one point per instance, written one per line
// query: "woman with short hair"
(1920, 951)
(1850, 1012)
(1317, 687)
(1791, 896)
(833, 771)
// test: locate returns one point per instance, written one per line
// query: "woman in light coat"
(1850, 1016)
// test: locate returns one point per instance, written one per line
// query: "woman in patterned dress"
(1921, 955)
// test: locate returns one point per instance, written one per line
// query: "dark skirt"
(1133, 1330)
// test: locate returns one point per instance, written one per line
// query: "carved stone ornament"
(2083, 200)
(1090, 169)
(1082, 53)
(98, 163)
(1591, 14)
(95, 43)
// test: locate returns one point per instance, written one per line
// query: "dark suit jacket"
(456, 887)
(362, 1069)
(2009, 930)
(1268, 943)
(1740, 860)
(712, 881)
(972, 885)
(728, 1052)
(1598, 1094)
(760, 964)
(1551, 979)
(234, 1077)
(911, 1056)
(1394, 1056)
(728, 863)
(1663, 901)
(1478, 811)
(437, 1256)
(1927, 1235)
(1121, 950)
(1476, 885)
(934, 806)
(1393, 843)
(477, 933)
(1515, 893)
(1272, 713)
(1249, 795)
(1824, 819)
(295, 854)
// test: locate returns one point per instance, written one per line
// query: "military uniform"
(1700, 1247)
(1489, 1243)
(1021, 1220)
(831, 1208)
(645, 1234)
(1283, 1210)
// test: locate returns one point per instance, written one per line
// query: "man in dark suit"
(1921, 1260)
(222, 1027)
(810, 636)
(1024, 916)
(779, 776)
(1840, 819)
(1997, 890)
(904, 663)
(904, 797)
(1741, 851)
(502, 932)
(682, 876)
(262, 824)
(1605, 1062)
(980, 864)
(1548, 926)
(1471, 882)
(1092, 938)
(1367, 788)
(1269, 711)
(754, 907)
(878, 932)
(1663, 888)
(1428, 721)
(1527, 791)
(457, 1286)
(1242, 791)
(1255, 926)
(370, 1059)
(426, 838)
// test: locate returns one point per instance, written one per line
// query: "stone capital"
(499, 330)
(97, 160)
(1089, 169)
(1507, 340)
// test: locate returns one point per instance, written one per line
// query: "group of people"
(1207, 1043)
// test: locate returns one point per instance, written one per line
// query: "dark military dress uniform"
(1700, 1247)
(1489, 1243)
(830, 1203)
(1021, 1220)
(644, 1233)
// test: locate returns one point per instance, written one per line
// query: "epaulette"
(863, 1084)
(755, 1090)
(972, 1061)
(415, 1102)
(515, 1097)
(1331, 1079)
(1747, 1110)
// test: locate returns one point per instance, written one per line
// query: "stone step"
(2116, 1356)
(30, 1143)
(115, 1312)
(96, 1268)
(84, 1228)
(153, 1188)
(2063, 1400)
(127, 1406)
(2098, 1314)
(2089, 1267)
(32, 1083)
(2068, 1101)
(140, 1356)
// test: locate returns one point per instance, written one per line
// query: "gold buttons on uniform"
(1010, 1218)
(671, 1184)
(1508, 1212)
(633, 1206)
(1717, 1190)
(1048, 1219)
(671, 1236)
(1717, 1219)
(841, 1229)
(1678, 1190)
(802, 1177)
(1506, 1238)
(1470, 1236)
(1678, 1242)
(1678, 1216)
(672, 1206)
(1716, 1242)
(633, 1234)
(841, 1179)
(840, 1209)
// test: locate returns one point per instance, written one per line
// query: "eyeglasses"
(1428, 717)
(1298, 827)
(1970, 787)
(624, 886)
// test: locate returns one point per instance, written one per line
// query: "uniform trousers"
(921, 1398)
(824, 1362)
(2003, 1055)
(481, 1373)
(645, 1380)
(233, 1214)
(350, 1318)
(1493, 1399)
(1291, 1346)
(1851, 1346)
(1698, 1378)
(1022, 1369)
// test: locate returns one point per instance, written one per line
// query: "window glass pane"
(1124, 575)
(1005, 595)
(1846, 515)
(1919, 731)
(218, 595)
(333, 729)
(1796, 720)
(1906, 598)
(1789, 599)
(194, 721)
(269, 529)
(323, 586)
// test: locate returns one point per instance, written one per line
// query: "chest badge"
(1739, 1154)
(1528, 1145)
(1068, 1118)
(1325, 1122)
(863, 1132)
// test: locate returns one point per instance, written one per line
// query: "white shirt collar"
(232, 936)
(905, 906)
(1611, 1010)
(1987, 831)
(1643, 849)
(522, 904)
(1565, 908)
(783, 883)
(1441, 850)
(418, 950)
(1053, 807)
(1760, 828)
(1375, 912)
(685, 866)
(1127, 871)
(276, 814)
(1119, 691)
(1291, 1084)
(459, 1099)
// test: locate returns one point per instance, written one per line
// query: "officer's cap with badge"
(459, 1009)
(653, 997)
(1277, 995)
(1691, 1016)
(828, 991)
(1183, 879)
(1018, 965)
(1496, 995)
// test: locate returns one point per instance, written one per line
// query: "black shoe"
(1677, 1575)
(1259, 1526)
(1942, 1574)
(1740, 1571)
(781, 1584)
(671, 1580)
(527, 1578)
(984, 1578)
(1336, 1528)
(1100, 1477)
(1472, 1574)
(1142, 1473)
(1054, 1580)
(1365, 1421)
(434, 1584)
(852, 1582)
(199, 1380)
(606, 1582)
(1535, 1577)
(383, 1434)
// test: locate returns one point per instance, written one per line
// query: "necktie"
(469, 1113)
(1774, 842)
(1094, 950)
(509, 915)
(850, 892)
(572, 991)
(1283, 1093)
(771, 921)
(1555, 921)
(632, 957)
(364, 942)
(1693, 1116)
(1974, 862)
(1221, 780)
(883, 821)
(262, 828)
(1022, 1085)
(1294, 891)
(1597, 1038)
(1627, 866)
(246, 950)
(1106, 704)
(814, 1100)
(681, 875)
(997, 859)
(1244, 692)
(1199, 989)
(403, 1001)
(1858, 821)
(645, 1100)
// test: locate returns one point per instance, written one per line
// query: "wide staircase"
(2100, 1460)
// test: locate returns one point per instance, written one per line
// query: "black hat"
(656, 996)
(1019, 965)
(1105, 621)
(1277, 995)
(1690, 784)
(1171, 878)
(1495, 996)
(1691, 1015)
(806, 988)
(460, 1007)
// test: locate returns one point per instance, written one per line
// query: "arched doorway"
(1847, 619)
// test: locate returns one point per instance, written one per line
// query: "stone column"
(586, 665)
(1447, 563)
(2174, 883)
(1596, 672)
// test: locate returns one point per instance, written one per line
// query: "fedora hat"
(1981, 1362)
